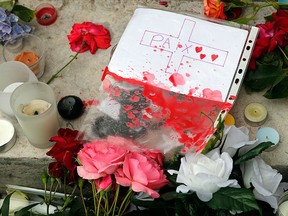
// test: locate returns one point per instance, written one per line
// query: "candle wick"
(36, 113)
(267, 137)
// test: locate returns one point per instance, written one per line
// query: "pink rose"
(103, 183)
(142, 173)
(99, 159)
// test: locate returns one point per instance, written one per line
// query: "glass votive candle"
(45, 14)
(35, 108)
(28, 49)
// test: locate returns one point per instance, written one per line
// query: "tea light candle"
(35, 107)
(268, 134)
(283, 209)
(255, 114)
(7, 135)
(45, 14)
(229, 120)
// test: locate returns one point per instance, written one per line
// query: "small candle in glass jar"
(35, 107)
(45, 14)
(29, 58)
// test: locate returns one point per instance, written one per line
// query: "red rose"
(66, 147)
(94, 35)
(56, 169)
(281, 18)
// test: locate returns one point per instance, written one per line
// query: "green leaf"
(278, 91)
(174, 195)
(234, 199)
(8, 5)
(253, 152)
(24, 13)
(25, 211)
(5, 206)
(269, 69)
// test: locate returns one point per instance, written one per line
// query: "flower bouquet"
(117, 176)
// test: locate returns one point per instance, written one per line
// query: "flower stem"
(125, 202)
(94, 196)
(114, 204)
(59, 71)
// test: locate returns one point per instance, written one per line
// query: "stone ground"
(22, 164)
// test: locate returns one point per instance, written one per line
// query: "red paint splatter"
(232, 97)
(212, 95)
(177, 79)
(135, 98)
(149, 77)
(107, 85)
(128, 107)
(92, 102)
(164, 3)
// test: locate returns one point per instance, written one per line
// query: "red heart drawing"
(214, 57)
(198, 49)
(202, 56)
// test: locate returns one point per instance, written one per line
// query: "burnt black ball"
(70, 107)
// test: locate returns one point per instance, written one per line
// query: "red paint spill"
(190, 117)
(177, 79)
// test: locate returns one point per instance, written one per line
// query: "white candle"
(10, 88)
(255, 114)
(283, 209)
(7, 135)
(34, 107)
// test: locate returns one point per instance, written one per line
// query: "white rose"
(204, 174)
(235, 139)
(266, 181)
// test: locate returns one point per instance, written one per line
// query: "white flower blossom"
(204, 174)
(264, 179)
(235, 139)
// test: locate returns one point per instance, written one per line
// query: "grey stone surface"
(23, 163)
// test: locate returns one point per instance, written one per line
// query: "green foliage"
(216, 138)
(8, 5)
(26, 210)
(235, 199)
(5, 205)
(269, 69)
(253, 152)
(24, 13)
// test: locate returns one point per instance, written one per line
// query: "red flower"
(64, 151)
(271, 35)
(94, 35)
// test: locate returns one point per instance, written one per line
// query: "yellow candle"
(229, 120)
(283, 209)
(255, 114)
